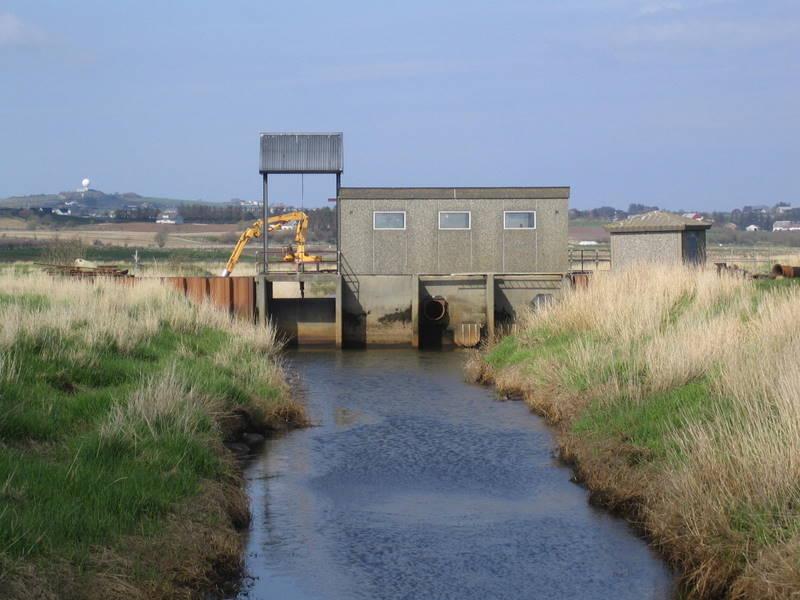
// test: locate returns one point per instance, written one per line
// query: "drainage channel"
(415, 484)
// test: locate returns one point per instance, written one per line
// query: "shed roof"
(657, 220)
(450, 193)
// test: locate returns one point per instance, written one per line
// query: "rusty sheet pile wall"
(237, 295)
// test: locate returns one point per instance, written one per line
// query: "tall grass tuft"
(164, 404)
(9, 369)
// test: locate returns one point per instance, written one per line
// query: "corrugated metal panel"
(301, 153)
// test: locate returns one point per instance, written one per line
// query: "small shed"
(658, 237)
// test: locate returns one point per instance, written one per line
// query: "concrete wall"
(660, 247)
(514, 294)
(389, 309)
(466, 305)
(305, 322)
(423, 248)
(377, 310)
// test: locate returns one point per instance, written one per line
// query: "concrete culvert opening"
(435, 309)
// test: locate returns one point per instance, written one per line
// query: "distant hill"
(94, 199)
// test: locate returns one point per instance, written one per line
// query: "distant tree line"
(138, 212)
(322, 224)
(762, 216)
(609, 213)
(210, 213)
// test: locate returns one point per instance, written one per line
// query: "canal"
(415, 484)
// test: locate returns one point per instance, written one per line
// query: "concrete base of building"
(421, 311)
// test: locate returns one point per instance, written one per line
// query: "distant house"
(785, 226)
(783, 209)
(248, 203)
(169, 217)
(731, 226)
(753, 227)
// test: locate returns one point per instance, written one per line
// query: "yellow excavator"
(295, 255)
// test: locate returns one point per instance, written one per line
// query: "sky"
(677, 103)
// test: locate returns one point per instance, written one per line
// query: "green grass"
(647, 424)
(64, 486)
(650, 424)
(507, 353)
(538, 345)
(777, 284)
(27, 301)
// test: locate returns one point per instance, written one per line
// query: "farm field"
(141, 235)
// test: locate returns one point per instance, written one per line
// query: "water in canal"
(415, 484)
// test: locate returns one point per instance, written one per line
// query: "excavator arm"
(301, 227)
(296, 255)
(251, 232)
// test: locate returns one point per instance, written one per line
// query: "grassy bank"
(115, 401)
(676, 393)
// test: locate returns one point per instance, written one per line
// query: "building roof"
(301, 153)
(449, 193)
(657, 220)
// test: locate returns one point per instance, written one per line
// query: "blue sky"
(680, 103)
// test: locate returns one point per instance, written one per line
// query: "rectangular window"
(519, 219)
(455, 219)
(389, 219)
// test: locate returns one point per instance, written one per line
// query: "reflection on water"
(417, 485)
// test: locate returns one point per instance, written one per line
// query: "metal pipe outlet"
(435, 309)
(785, 271)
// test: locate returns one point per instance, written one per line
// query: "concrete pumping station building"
(425, 267)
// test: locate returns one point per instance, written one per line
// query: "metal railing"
(328, 264)
(584, 259)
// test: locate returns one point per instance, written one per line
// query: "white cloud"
(393, 70)
(15, 32)
(657, 7)
(708, 33)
